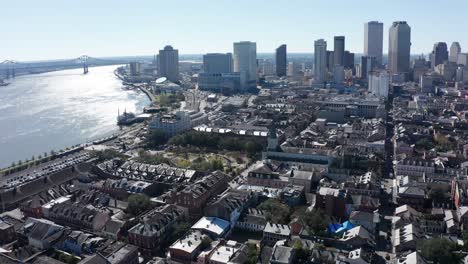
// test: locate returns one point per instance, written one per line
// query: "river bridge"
(11, 68)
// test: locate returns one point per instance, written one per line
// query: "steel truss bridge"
(10, 68)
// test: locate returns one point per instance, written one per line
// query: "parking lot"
(43, 170)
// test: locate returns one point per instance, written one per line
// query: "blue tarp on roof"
(333, 227)
(340, 228)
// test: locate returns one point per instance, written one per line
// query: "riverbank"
(60, 109)
(148, 93)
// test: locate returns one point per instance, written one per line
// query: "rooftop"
(189, 242)
(213, 225)
(284, 230)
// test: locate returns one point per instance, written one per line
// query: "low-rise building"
(359, 256)
(282, 254)
(293, 195)
(227, 253)
(265, 175)
(187, 248)
(367, 220)
(411, 258)
(41, 233)
(7, 231)
(230, 205)
(156, 226)
(331, 200)
(173, 124)
(79, 215)
(196, 195)
(414, 167)
(213, 227)
(253, 220)
(406, 238)
(358, 237)
(273, 233)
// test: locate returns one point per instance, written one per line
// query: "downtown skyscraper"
(455, 49)
(373, 40)
(217, 63)
(339, 50)
(168, 63)
(320, 61)
(399, 47)
(245, 59)
(281, 60)
(439, 54)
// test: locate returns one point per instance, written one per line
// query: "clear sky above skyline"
(55, 29)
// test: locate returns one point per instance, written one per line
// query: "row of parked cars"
(55, 167)
(66, 163)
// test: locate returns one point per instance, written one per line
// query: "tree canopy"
(138, 203)
(247, 144)
(252, 254)
(276, 211)
(107, 154)
(315, 222)
(156, 138)
(440, 250)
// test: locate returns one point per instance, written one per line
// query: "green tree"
(302, 254)
(145, 157)
(138, 203)
(252, 254)
(107, 154)
(205, 243)
(315, 221)
(440, 251)
(183, 163)
(156, 138)
(465, 240)
(216, 164)
(180, 229)
(437, 194)
(425, 144)
(276, 211)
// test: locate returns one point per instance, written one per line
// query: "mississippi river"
(52, 111)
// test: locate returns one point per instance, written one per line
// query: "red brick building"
(195, 196)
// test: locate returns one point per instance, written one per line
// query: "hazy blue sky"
(45, 29)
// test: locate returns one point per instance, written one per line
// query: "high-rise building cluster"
(241, 70)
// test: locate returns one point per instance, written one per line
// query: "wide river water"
(52, 111)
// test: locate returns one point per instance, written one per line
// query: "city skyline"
(142, 29)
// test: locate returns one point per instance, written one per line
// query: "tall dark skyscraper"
(330, 60)
(281, 60)
(348, 60)
(320, 61)
(439, 54)
(368, 64)
(399, 47)
(339, 50)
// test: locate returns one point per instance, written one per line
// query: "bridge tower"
(10, 71)
(84, 60)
